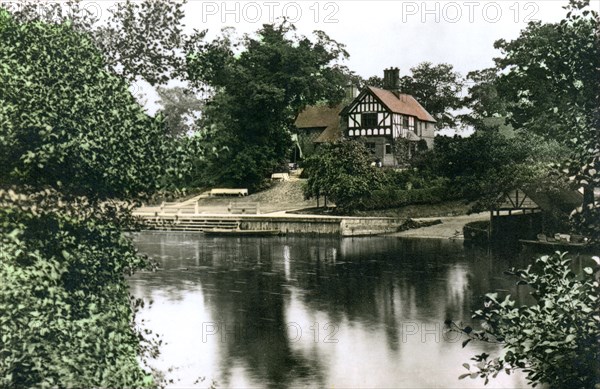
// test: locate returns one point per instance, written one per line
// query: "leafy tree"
(550, 74)
(68, 123)
(258, 93)
(487, 107)
(67, 317)
(139, 39)
(181, 109)
(486, 164)
(555, 340)
(437, 88)
(72, 140)
(550, 79)
(342, 172)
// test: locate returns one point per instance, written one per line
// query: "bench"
(244, 208)
(280, 176)
(228, 192)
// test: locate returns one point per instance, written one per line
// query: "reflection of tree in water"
(377, 282)
(250, 308)
(242, 280)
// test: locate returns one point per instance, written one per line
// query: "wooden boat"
(238, 232)
(564, 242)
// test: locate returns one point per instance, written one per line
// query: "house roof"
(402, 103)
(324, 117)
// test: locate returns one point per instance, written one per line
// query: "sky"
(401, 33)
(382, 34)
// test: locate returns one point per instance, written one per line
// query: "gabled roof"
(321, 116)
(530, 197)
(402, 103)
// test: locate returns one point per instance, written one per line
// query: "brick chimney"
(391, 80)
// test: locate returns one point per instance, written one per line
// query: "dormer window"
(369, 120)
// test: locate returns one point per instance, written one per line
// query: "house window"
(388, 148)
(369, 120)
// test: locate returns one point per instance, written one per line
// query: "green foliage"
(487, 106)
(69, 124)
(258, 93)
(66, 122)
(551, 75)
(180, 108)
(555, 340)
(437, 88)
(138, 40)
(483, 166)
(390, 197)
(342, 172)
(67, 319)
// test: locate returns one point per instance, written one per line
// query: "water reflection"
(299, 311)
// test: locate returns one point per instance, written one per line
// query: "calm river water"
(316, 312)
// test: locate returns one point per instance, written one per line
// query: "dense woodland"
(78, 152)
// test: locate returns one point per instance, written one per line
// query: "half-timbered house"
(392, 124)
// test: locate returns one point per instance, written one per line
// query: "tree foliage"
(68, 123)
(261, 83)
(180, 108)
(555, 340)
(437, 88)
(139, 40)
(67, 317)
(551, 74)
(486, 164)
(342, 172)
(550, 81)
(72, 140)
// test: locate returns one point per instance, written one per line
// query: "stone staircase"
(175, 223)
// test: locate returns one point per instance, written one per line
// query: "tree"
(180, 108)
(72, 141)
(437, 88)
(486, 164)
(550, 70)
(342, 172)
(140, 40)
(67, 122)
(487, 107)
(555, 340)
(551, 81)
(258, 93)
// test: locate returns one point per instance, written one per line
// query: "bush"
(395, 198)
(553, 341)
(70, 321)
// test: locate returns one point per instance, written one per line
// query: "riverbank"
(451, 227)
(283, 207)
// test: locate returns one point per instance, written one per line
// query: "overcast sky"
(380, 34)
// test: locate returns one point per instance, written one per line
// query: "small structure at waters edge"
(523, 213)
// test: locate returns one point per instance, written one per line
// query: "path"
(450, 228)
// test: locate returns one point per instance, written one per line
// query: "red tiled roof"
(403, 103)
(317, 116)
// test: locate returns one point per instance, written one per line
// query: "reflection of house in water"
(525, 212)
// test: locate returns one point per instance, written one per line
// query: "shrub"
(555, 340)
(70, 319)
(394, 198)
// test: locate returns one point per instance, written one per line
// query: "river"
(317, 311)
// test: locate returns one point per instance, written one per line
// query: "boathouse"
(525, 212)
